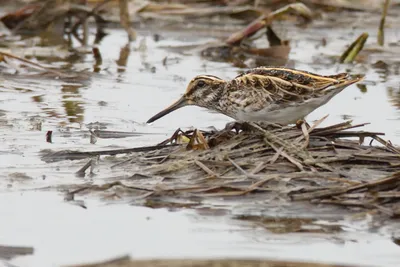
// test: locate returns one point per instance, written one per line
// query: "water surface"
(122, 97)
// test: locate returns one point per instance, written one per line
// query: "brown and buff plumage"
(272, 95)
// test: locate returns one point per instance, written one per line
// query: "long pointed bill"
(177, 105)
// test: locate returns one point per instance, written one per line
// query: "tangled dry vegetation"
(329, 165)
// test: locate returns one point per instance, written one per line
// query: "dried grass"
(328, 165)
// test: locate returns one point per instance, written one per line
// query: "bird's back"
(264, 90)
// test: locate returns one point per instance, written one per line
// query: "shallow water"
(62, 234)
(122, 98)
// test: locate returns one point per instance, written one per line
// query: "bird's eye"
(201, 83)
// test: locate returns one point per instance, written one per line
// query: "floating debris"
(328, 165)
(381, 31)
(350, 54)
(9, 252)
(17, 64)
(264, 21)
(50, 156)
(126, 261)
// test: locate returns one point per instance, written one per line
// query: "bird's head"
(201, 91)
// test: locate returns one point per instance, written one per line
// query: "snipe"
(272, 95)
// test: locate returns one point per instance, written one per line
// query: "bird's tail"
(345, 81)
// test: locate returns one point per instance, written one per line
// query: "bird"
(273, 95)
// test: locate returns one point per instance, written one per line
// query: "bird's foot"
(237, 126)
(300, 122)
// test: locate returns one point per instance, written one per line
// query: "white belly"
(284, 116)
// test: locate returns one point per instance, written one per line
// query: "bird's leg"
(234, 125)
(237, 126)
(244, 126)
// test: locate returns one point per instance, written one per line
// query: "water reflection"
(123, 58)
(73, 107)
(98, 59)
(389, 74)
(363, 88)
(37, 98)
